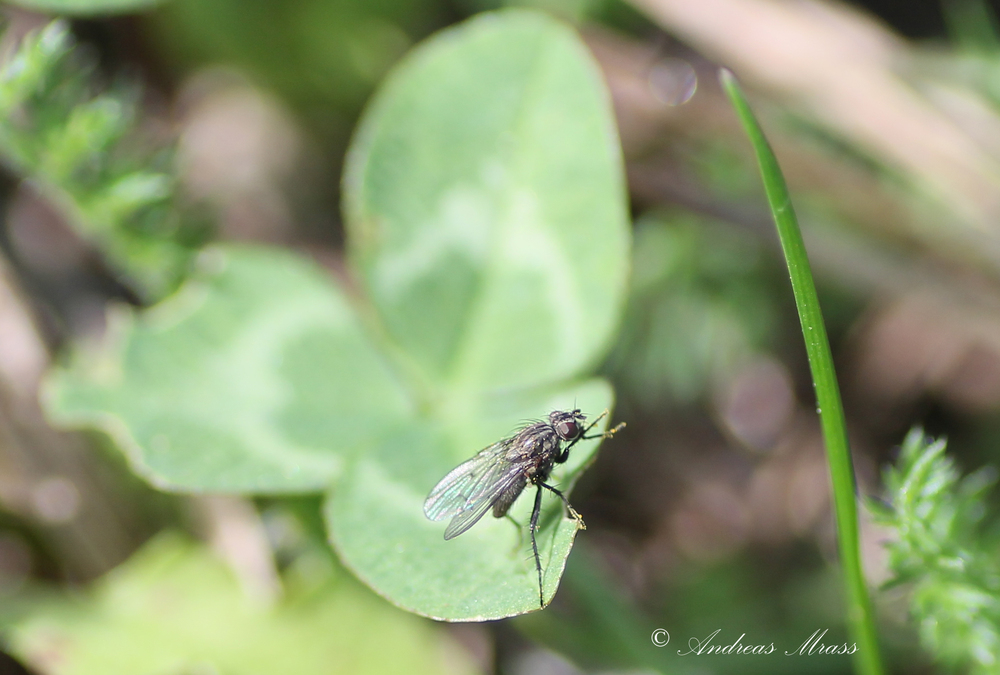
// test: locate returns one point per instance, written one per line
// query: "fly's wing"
(466, 519)
(466, 483)
(470, 489)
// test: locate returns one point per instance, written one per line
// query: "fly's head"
(568, 425)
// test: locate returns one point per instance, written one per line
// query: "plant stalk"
(860, 616)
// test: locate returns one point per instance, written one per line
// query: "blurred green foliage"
(72, 143)
(703, 297)
(176, 608)
(323, 57)
(940, 548)
(262, 376)
(87, 7)
(487, 220)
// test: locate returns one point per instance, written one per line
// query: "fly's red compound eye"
(568, 429)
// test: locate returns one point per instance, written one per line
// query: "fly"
(495, 477)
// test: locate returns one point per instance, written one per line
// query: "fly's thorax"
(533, 441)
(540, 471)
(544, 458)
(534, 451)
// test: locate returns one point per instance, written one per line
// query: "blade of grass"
(860, 617)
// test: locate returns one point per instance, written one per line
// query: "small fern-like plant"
(940, 550)
(71, 140)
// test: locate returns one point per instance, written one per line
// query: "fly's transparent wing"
(469, 517)
(467, 483)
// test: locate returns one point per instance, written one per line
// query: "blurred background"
(713, 511)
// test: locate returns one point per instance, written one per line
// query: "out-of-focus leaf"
(174, 608)
(486, 205)
(487, 214)
(254, 377)
(488, 218)
(87, 7)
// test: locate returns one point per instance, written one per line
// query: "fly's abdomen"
(507, 497)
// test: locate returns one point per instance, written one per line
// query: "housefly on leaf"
(495, 477)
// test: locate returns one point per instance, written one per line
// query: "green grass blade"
(860, 616)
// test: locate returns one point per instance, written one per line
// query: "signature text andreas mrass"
(712, 645)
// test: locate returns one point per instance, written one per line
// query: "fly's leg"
(564, 455)
(593, 424)
(572, 512)
(605, 434)
(534, 545)
(534, 527)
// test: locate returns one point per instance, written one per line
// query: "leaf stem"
(860, 616)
